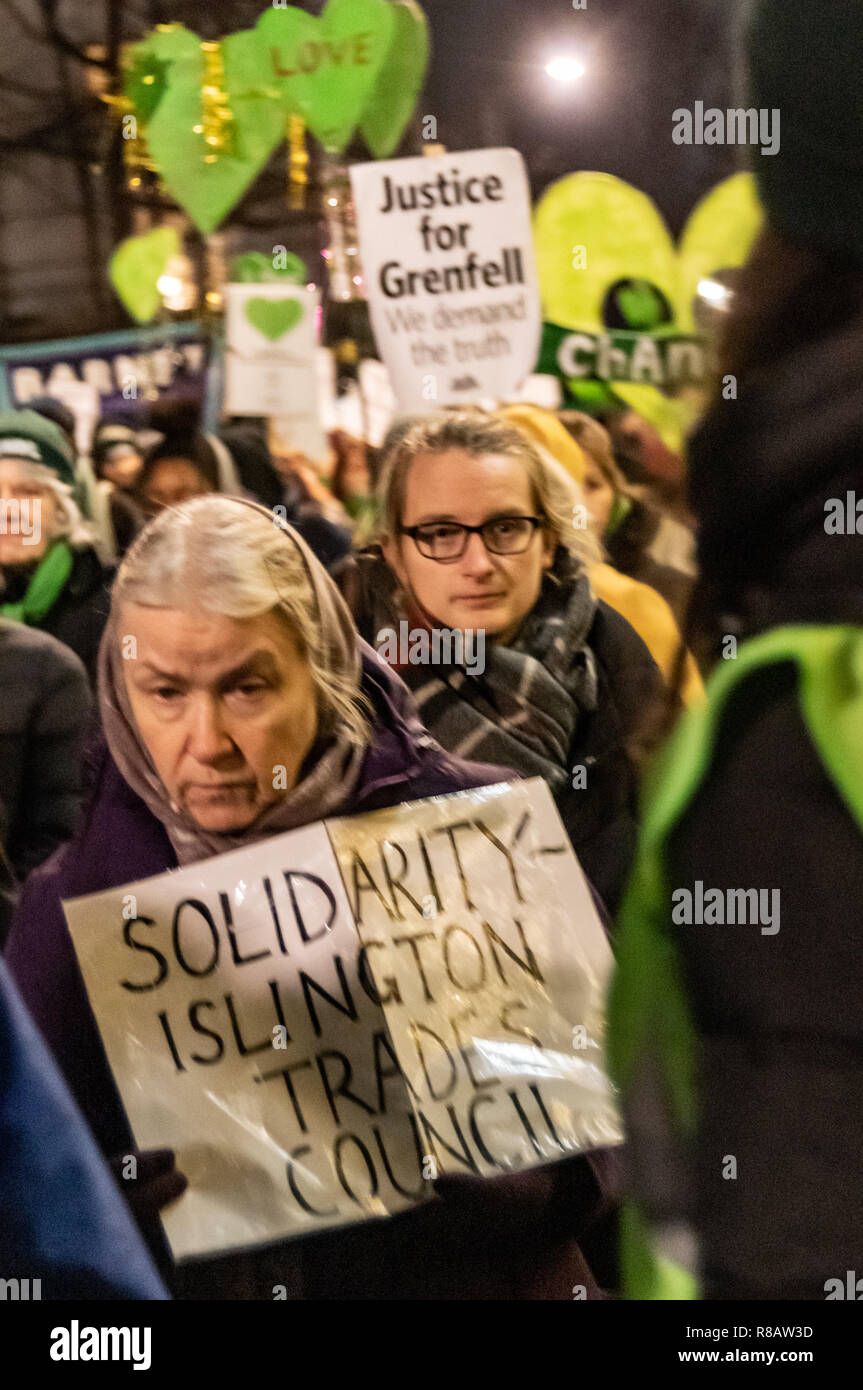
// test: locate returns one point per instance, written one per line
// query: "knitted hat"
(544, 429)
(55, 410)
(804, 61)
(31, 438)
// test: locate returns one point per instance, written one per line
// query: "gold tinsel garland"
(298, 162)
(217, 117)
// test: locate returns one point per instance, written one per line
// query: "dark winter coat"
(45, 708)
(509, 1237)
(780, 1017)
(80, 613)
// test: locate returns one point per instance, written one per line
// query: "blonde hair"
(234, 559)
(556, 497)
(595, 441)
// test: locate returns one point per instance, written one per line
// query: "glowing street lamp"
(564, 69)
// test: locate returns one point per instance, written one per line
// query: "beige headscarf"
(326, 785)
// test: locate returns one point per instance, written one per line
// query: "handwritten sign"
(448, 263)
(323, 1023)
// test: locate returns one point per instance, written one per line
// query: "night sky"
(644, 58)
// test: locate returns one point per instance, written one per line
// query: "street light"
(564, 69)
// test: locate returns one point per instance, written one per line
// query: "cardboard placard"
(323, 1023)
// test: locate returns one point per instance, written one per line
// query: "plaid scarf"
(523, 711)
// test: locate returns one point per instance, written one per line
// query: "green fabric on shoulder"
(648, 1006)
(44, 589)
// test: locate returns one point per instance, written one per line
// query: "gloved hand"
(156, 1182)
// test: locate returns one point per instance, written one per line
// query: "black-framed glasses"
(446, 541)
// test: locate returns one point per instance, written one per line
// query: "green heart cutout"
(718, 235)
(395, 93)
(136, 266)
(625, 237)
(327, 68)
(208, 192)
(274, 317)
(147, 64)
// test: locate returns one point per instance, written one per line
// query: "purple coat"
(433, 1250)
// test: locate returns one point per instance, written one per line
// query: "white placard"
(323, 1023)
(271, 342)
(448, 263)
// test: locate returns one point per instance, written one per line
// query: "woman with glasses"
(479, 542)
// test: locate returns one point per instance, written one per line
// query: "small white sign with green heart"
(271, 341)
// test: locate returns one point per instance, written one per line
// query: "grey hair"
(556, 496)
(226, 557)
(69, 524)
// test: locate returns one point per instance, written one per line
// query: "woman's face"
(225, 706)
(172, 481)
(480, 591)
(598, 495)
(27, 516)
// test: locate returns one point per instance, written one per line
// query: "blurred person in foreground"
(736, 1028)
(50, 574)
(477, 538)
(247, 659)
(62, 1220)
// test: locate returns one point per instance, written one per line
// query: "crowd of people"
(709, 650)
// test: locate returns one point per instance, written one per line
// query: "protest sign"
(491, 963)
(130, 370)
(448, 263)
(271, 342)
(323, 1023)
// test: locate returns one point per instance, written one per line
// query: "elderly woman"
(480, 536)
(246, 658)
(50, 575)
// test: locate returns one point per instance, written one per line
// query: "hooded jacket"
(777, 1013)
(507, 1237)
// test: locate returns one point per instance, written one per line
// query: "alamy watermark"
(726, 907)
(736, 126)
(844, 515)
(22, 517)
(439, 646)
(20, 1290)
(77, 1343)
(850, 1288)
